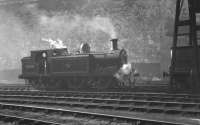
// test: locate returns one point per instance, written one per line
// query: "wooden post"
(173, 58)
(192, 14)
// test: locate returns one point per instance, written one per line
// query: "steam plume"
(103, 24)
(24, 26)
(124, 74)
(70, 23)
(55, 44)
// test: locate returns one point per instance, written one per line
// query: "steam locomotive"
(56, 69)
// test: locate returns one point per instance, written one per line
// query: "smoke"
(126, 69)
(13, 38)
(68, 23)
(23, 27)
(124, 74)
(55, 43)
(104, 24)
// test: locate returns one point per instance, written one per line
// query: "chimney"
(114, 45)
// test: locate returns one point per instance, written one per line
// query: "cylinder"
(114, 44)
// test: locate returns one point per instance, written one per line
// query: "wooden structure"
(185, 61)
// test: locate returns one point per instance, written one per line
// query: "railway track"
(138, 88)
(15, 87)
(97, 115)
(122, 95)
(185, 98)
(187, 109)
(159, 105)
(24, 120)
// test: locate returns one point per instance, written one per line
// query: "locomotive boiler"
(56, 69)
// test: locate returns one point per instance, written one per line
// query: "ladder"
(194, 8)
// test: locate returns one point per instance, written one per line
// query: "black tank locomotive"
(56, 69)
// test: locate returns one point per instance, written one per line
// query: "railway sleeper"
(77, 105)
(91, 106)
(139, 109)
(173, 111)
(191, 106)
(123, 108)
(85, 100)
(191, 113)
(106, 107)
(155, 110)
(172, 104)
